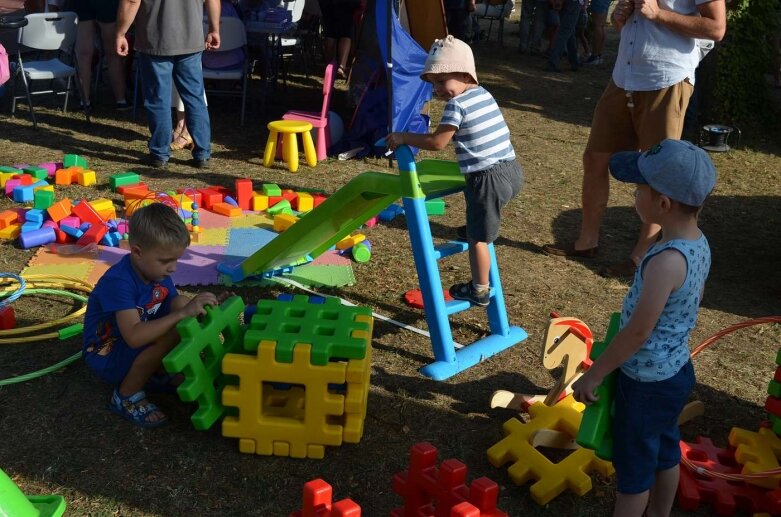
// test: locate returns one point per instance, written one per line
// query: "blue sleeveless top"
(667, 350)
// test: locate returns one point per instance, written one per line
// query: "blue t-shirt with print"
(667, 349)
(119, 289)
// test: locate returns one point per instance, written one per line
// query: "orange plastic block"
(138, 187)
(284, 221)
(350, 241)
(25, 179)
(317, 502)
(60, 210)
(84, 211)
(244, 193)
(11, 231)
(86, 178)
(304, 202)
(226, 209)
(7, 218)
(259, 202)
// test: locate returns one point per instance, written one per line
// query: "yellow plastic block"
(284, 221)
(86, 178)
(226, 209)
(185, 202)
(528, 463)
(60, 210)
(350, 241)
(259, 202)
(305, 202)
(11, 231)
(5, 176)
(50, 188)
(298, 421)
(104, 207)
(757, 452)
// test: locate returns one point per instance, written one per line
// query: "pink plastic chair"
(319, 121)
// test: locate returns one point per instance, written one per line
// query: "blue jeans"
(156, 73)
(570, 12)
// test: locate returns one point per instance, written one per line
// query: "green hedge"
(741, 92)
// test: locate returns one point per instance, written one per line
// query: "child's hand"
(195, 307)
(224, 296)
(394, 140)
(584, 388)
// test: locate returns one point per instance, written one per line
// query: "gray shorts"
(486, 192)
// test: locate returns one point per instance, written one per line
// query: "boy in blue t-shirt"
(483, 149)
(651, 350)
(130, 323)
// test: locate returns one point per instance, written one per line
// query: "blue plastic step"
(450, 248)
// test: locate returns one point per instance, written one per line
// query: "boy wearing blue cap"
(651, 350)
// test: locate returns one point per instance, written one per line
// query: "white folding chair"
(494, 11)
(47, 32)
(233, 35)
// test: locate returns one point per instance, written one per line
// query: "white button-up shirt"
(651, 56)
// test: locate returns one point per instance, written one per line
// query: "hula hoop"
(17, 293)
(34, 328)
(40, 373)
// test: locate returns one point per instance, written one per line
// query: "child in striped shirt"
(485, 155)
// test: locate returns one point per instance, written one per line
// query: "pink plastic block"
(10, 185)
(50, 167)
(371, 222)
(122, 228)
(71, 221)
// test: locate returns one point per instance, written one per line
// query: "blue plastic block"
(110, 239)
(31, 226)
(24, 194)
(230, 201)
(33, 216)
(390, 213)
(70, 230)
(85, 226)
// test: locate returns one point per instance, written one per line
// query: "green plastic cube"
(38, 173)
(123, 178)
(435, 207)
(74, 160)
(43, 199)
(271, 189)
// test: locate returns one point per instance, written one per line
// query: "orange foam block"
(8, 218)
(60, 210)
(226, 209)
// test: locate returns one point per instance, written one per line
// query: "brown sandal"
(182, 141)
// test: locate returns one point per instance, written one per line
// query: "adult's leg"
(188, 77)
(598, 31)
(156, 85)
(541, 10)
(594, 197)
(85, 49)
(566, 36)
(458, 23)
(116, 63)
(527, 17)
(344, 52)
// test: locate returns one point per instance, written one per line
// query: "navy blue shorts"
(645, 427)
(113, 367)
(599, 6)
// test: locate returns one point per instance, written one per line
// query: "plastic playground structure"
(362, 198)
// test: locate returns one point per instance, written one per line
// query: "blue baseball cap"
(676, 168)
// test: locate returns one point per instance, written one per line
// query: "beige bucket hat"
(449, 55)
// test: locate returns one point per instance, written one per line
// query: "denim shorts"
(645, 427)
(486, 192)
(599, 6)
(112, 368)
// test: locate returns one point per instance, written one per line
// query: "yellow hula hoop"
(45, 282)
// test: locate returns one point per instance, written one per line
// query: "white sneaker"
(594, 60)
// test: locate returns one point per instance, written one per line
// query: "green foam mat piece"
(199, 357)
(327, 326)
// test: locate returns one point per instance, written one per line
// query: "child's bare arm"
(137, 333)
(662, 275)
(435, 141)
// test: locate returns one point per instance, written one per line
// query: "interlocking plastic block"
(773, 406)
(8, 217)
(259, 202)
(435, 206)
(334, 330)
(74, 160)
(431, 490)
(70, 230)
(304, 202)
(37, 237)
(317, 502)
(528, 463)
(318, 198)
(50, 167)
(86, 178)
(371, 223)
(31, 226)
(230, 201)
(7, 318)
(199, 356)
(25, 179)
(123, 178)
(37, 172)
(350, 241)
(226, 209)
(104, 208)
(271, 189)
(757, 452)
(596, 428)
(244, 193)
(774, 389)
(4, 177)
(4, 169)
(284, 221)
(725, 496)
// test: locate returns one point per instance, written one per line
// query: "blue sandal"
(131, 409)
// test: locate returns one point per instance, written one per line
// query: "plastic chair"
(45, 32)
(288, 130)
(233, 35)
(319, 120)
(494, 11)
(295, 41)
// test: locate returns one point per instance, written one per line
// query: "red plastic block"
(94, 234)
(191, 193)
(773, 406)
(777, 376)
(317, 502)
(290, 195)
(86, 213)
(7, 318)
(414, 298)
(210, 197)
(433, 491)
(318, 198)
(137, 187)
(725, 496)
(273, 200)
(244, 193)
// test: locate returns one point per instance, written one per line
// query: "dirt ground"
(58, 438)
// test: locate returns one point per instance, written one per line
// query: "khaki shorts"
(656, 115)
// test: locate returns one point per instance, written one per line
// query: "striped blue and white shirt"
(482, 138)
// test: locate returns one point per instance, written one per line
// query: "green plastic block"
(778, 357)
(70, 331)
(596, 427)
(10, 170)
(328, 327)
(74, 160)
(775, 424)
(38, 173)
(774, 389)
(14, 503)
(123, 178)
(271, 189)
(199, 356)
(43, 199)
(279, 207)
(435, 207)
